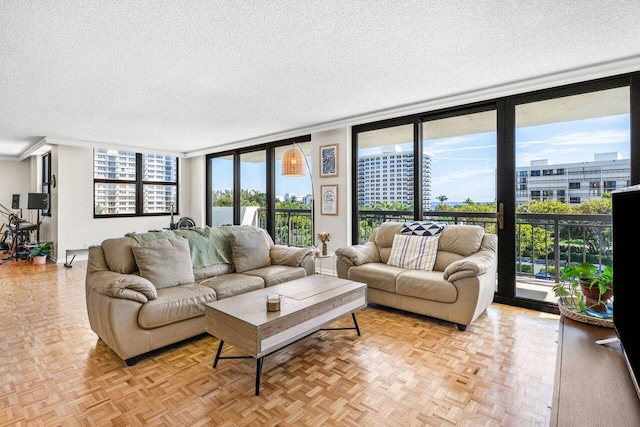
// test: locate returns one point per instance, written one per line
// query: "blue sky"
(464, 166)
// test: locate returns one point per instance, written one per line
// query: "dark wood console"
(593, 386)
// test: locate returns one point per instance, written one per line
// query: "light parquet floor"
(405, 370)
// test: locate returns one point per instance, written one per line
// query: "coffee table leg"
(258, 373)
(355, 322)
(215, 362)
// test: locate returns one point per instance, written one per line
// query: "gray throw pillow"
(118, 255)
(164, 262)
(250, 250)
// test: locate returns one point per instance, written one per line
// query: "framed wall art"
(329, 199)
(329, 160)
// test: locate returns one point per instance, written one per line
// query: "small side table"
(318, 262)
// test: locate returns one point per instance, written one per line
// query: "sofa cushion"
(275, 274)
(360, 254)
(414, 252)
(384, 238)
(211, 271)
(376, 275)
(118, 254)
(164, 262)
(428, 285)
(250, 250)
(386, 232)
(125, 286)
(291, 256)
(175, 304)
(232, 284)
(422, 228)
(461, 239)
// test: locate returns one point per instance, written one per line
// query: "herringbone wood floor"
(405, 370)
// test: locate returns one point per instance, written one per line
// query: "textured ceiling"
(190, 77)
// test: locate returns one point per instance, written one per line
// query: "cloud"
(604, 137)
(572, 147)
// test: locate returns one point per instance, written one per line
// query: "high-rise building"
(120, 197)
(572, 183)
(388, 176)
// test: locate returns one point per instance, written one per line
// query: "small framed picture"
(329, 200)
(329, 160)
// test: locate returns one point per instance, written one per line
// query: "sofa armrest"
(291, 256)
(359, 254)
(473, 265)
(124, 286)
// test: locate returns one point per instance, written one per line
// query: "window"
(574, 186)
(133, 184)
(535, 173)
(246, 186)
(46, 180)
(609, 185)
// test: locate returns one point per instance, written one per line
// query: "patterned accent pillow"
(414, 252)
(422, 228)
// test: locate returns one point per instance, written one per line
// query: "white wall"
(338, 225)
(15, 178)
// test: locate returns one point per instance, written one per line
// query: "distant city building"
(118, 198)
(293, 197)
(572, 183)
(388, 176)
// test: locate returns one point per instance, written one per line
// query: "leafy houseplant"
(40, 252)
(584, 287)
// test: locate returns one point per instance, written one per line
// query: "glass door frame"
(506, 189)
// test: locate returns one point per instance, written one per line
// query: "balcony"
(545, 243)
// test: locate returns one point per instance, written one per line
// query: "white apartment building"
(120, 197)
(572, 183)
(388, 176)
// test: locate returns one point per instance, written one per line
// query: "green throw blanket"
(208, 245)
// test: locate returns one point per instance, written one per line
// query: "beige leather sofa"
(458, 289)
(146, 291)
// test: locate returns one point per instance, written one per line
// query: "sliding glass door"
(571, 153)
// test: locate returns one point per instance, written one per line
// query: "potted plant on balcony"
(40, 253)
(586, 290)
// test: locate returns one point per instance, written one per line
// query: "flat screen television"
(626, 278)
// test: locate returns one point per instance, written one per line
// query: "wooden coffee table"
(306, 306)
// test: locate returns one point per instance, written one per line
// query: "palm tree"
(442, 199)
